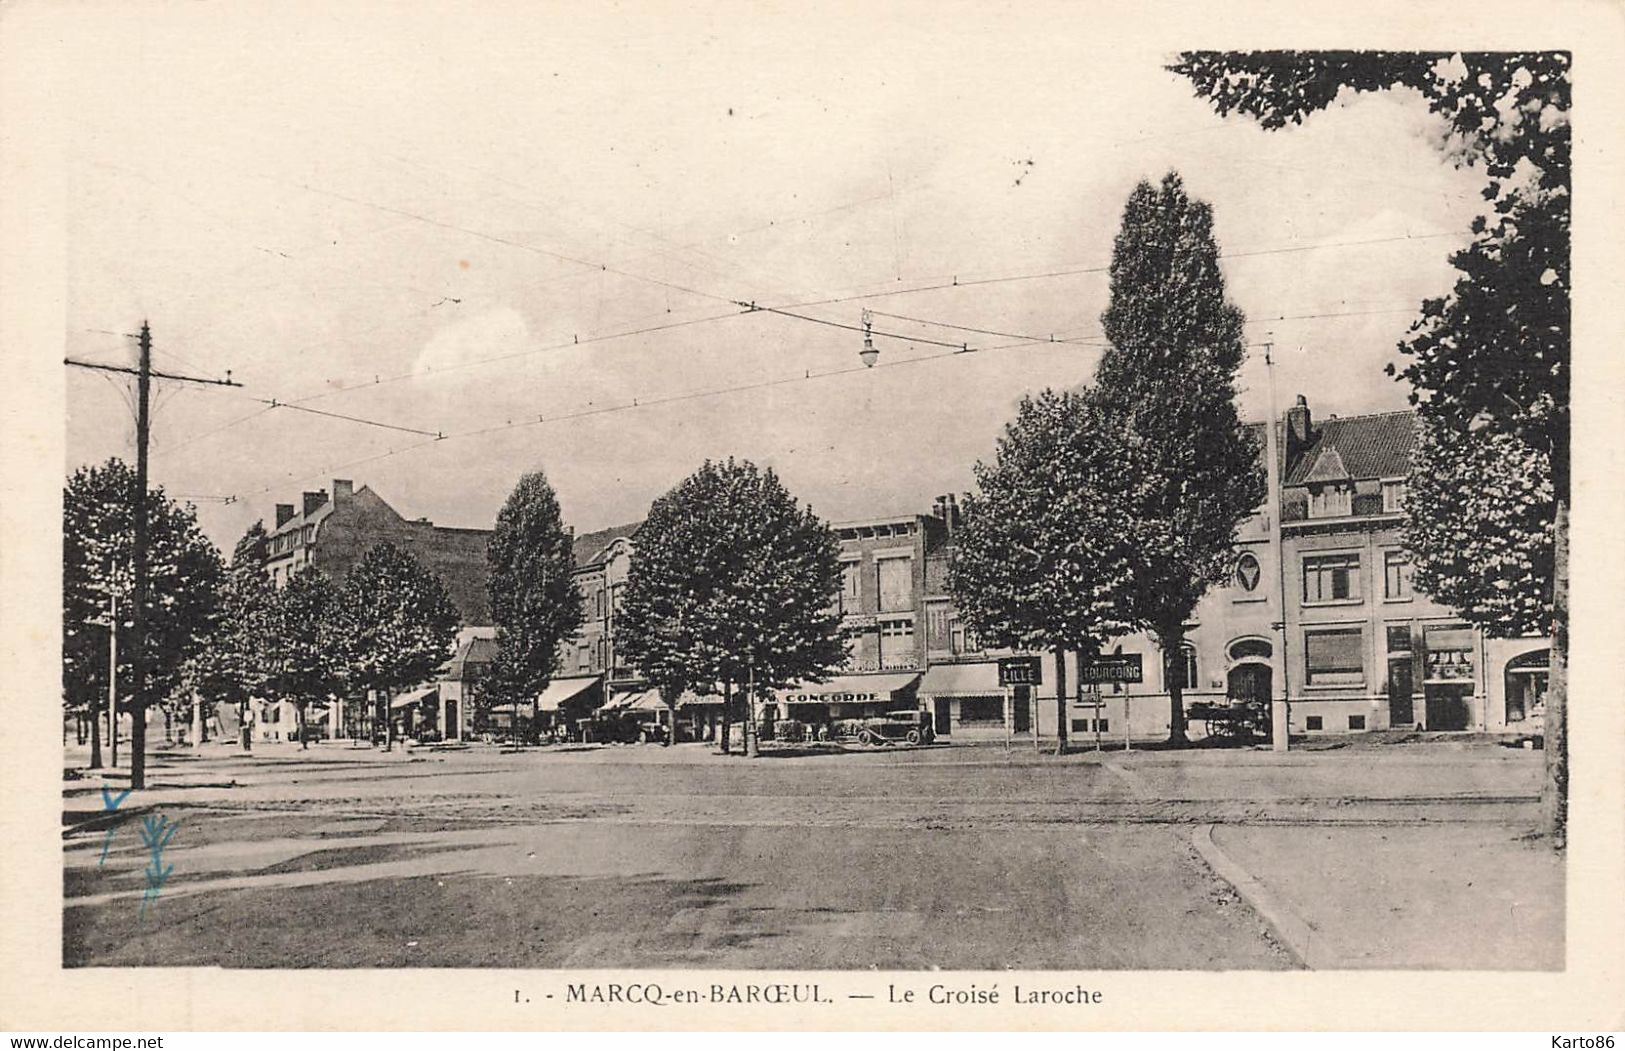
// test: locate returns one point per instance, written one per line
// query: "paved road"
(959, 858)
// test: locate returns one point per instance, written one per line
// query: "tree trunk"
(671, 725)
(727, 712)
(1554, 789)
(1172, 643)
(1060, 701)
(299, 722)
(95, 739)
(753, 730)
(389, 720)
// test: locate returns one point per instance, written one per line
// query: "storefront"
(1449, 666)
(847, 697)
(567, 700)
(967, 702)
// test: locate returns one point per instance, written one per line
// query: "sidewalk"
(1445, 896)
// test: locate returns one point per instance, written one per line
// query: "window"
(897, 644)
(1330, 501)
(963, 637)
(1331, 578)
(850, 579)
(583, 657)
(1312, 722)
(598, 604)
(1183, 670)
(310, 534)
(1356, 722)
(1335, 657)
(895, 579)
(981, 710)
(1248, 572)
(1255, 648)
(1449, 654)
(1399, 638)
(1393, 496)
(1080, 726)
(938, 622)
(1396, 576)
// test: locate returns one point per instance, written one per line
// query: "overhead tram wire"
(637, 403)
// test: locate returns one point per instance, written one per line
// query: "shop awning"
(510, 709)
(561, 690)
(850, 689)
(962, 680)
(411, 697)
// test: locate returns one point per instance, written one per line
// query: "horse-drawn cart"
(1242, 722)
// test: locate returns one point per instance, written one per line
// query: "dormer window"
(1331, 500)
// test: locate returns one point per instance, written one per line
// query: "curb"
(1291, 930)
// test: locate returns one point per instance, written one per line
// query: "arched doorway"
(1251, 683)
(1526, 678)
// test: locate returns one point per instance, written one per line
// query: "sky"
(444, 224)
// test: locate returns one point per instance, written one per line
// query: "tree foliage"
(731, 576)
(1164, 406)
(534, 601)
(183, 593)
(307, 640)
(402, 621)
(231, 667)
(1486, 543)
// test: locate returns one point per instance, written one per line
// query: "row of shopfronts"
(1317, 610)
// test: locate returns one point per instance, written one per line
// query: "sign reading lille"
(1021, 671)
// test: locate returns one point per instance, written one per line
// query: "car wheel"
(914, 737)
(865, 737)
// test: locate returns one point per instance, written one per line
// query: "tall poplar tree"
(732, 581)
(534, 601)
(1165, 397)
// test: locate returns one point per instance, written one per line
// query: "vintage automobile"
(910, 725)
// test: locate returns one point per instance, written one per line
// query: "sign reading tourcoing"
(1020, 671)
(1124, 667)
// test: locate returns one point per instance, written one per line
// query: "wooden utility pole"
(112, 684)
(137, 640)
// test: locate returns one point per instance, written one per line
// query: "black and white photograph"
(995, 495)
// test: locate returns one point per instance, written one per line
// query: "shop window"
(1393, 496)
(1335, 657)
(1312, 722)
(1356, 722)
(1248, 572)
(1449, 656)
(1396, 576)
(895, 582)
(981, 710)
(1331, 578)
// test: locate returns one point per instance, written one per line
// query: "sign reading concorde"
(1117, 668)
(1021, 671)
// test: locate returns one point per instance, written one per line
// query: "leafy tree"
(1039, 558)
(1491, 360)
(1164, 402)
(732, 581)
(402, 622)
(98, 537)
(307, 642)
(1487, 536)
(534, 601)
(230, 668)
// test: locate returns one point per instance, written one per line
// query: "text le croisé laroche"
(784, 993)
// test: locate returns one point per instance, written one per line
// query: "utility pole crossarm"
(154, 373)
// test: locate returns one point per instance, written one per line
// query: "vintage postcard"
(884, 516)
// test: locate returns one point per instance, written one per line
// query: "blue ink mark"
(110, 803)
(156, 833)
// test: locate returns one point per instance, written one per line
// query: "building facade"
(333, 532)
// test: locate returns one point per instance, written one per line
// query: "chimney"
(1299, 432)
(283, 513)
(939, 508)
(953, 513)
(314, 501)
(343, 489)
